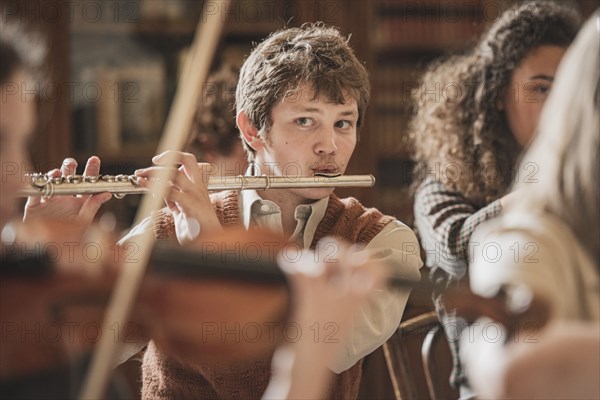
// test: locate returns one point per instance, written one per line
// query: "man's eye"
(343, 124)
(305, 122)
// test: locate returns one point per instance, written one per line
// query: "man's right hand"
(187, 197)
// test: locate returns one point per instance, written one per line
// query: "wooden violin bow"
(194, 74)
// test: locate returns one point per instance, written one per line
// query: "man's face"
(309, 135)
(17, 119)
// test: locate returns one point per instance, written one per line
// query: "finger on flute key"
(69, 166)
(92, 167)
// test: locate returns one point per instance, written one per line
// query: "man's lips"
(325, 168)
(326, 171)
(327, 174)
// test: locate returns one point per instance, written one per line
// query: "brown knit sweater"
(166, 378)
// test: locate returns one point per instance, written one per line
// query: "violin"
(188, 293)
(532, 313)
(189, 302)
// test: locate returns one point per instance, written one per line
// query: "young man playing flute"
(300, 101)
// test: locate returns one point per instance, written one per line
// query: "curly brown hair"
(277, 67)
(459, 134)
(213, 128)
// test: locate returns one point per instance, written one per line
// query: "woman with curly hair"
(561, 266)
(469, 136)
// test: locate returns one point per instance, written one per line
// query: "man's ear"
(249, 131)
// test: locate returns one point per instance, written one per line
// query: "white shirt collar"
(253, 204)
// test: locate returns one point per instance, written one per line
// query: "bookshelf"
(406, 36)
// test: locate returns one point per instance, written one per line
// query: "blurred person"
(548, 247)
(469, 134)
(214, 137)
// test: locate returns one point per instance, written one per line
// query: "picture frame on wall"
(132, 108)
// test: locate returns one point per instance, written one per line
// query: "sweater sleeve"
(379, 318)
(445, 221)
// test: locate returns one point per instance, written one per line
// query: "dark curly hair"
(213, 128)
(461, 136)
(314, 54)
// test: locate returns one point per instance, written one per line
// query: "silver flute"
(121, 185)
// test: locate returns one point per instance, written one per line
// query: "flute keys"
(74, 178)
(38, 180)
(133, 180)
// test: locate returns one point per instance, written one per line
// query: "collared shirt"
(397, 244)
(266, 214)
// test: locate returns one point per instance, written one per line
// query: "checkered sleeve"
(445, 221)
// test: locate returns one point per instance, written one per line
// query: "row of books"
(392, 108)
(432, 35)
(433, 25)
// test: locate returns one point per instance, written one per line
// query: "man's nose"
(326, 142)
